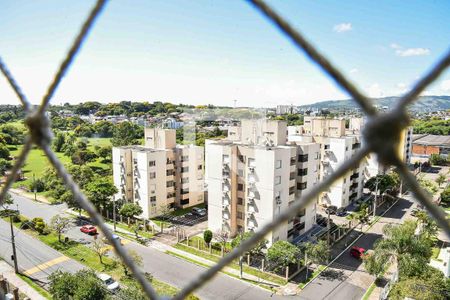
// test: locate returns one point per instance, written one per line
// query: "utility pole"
(328, 228)
(14, 256)
(240, 260)
(306, 265)
(375, 200)
(35, 187)
(114, 214)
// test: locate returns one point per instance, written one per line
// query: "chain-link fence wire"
(382, 136)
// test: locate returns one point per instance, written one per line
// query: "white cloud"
(343, 27)
(375, 91)
(413, 52)
(400, 51)
(445, 85)
(353, 71)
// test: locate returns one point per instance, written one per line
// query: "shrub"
(39, 225)
(207, 236)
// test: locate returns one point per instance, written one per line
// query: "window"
(152, 175)
(301, 185)
(152, 163)
(184, 158)
(200, 167)
(170, 183)
(302, 172)
(240, 187)
(169, 172)
(240, 215)
(153, 201)
(184, 191)
(303, 158)
(317, 155)
(184, 169)
(278, 164)
(326, 147)
(240, 201)
(184, 201)
(241, 172)
(277, 180)
(185, 180)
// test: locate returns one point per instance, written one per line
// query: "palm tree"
(441, 179)
(398, 241)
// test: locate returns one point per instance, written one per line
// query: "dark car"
(321, 220)
(341, 211)
(331, 210)
(201, 212)
(357, 252)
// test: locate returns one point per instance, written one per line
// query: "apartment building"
(338, 145)
(255, 174)
(160, 174)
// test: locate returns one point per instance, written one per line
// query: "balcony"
(251, 225)
(225, 216)
(251, 179)
(225, 188)
(251, 170)
(225, 201)
(354, 176)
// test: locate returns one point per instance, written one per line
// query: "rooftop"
(432, 140)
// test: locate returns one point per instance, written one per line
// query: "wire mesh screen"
(382, 136)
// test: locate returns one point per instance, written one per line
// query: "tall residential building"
(337, 146)
(252, 179)
(159, 175)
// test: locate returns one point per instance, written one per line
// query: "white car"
(107, 280)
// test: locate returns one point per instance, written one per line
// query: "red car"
(357, 252)
(89, 229)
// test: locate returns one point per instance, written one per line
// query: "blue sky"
(200, 52)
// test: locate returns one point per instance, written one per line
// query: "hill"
(423, 104)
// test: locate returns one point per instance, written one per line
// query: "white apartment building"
(251, 179)
(337, 146)
(159, 175)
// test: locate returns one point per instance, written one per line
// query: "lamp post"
(34, 187)
(375, 199)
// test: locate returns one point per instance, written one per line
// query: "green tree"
(126, 133)
(130, 210)
(59, 141)
(437, 160)
(83, 285)
(104, 128)
(61, 224)
(283, 253)
(317, 253)
(4, 152)
(441, 179)
(99, 247)
(5, 165)
(445, 196)
(81, 157)
(207, 236)
(255, 250)
(385, 182)
(399, 241)
(99, 191)
(105, 152)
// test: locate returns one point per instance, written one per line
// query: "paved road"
(346, 278)
(34, 257)
(167, 268)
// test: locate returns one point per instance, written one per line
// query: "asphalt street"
(346, 278)
(34, 257)
(167, 268)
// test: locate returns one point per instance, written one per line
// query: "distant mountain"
(423, 104)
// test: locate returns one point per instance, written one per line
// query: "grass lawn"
(36, 286)
(252, 271)
(36, 163)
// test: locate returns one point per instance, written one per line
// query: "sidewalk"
(8, 272)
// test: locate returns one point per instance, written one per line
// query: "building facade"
(160, 175)
(251, 180)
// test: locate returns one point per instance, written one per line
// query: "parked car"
(357, 252)
(115, 237)
(321, 220)
(111, 285)
(341, 211)
(331, 209)
(89, 229)
(201, 212)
